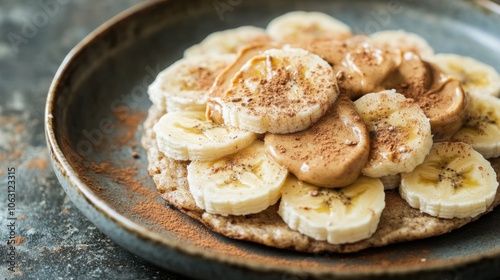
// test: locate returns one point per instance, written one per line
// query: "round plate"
(98, 101)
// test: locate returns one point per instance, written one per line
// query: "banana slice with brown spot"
(331, 153)
(482, 125)
(454, 181)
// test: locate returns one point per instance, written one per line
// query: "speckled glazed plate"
(98, 101)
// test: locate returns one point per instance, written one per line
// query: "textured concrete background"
(53, 239)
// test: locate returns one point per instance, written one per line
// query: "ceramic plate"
(98, 102)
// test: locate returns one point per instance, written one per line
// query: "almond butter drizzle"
(329, 154)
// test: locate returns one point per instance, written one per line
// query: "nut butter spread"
(331, 153)
(361, 68)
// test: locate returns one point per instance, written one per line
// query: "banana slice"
(280, 91)
(228, 41)
(400, 133)
(338, 216)
(185, 84)
(240, 184)
(156, 92)
(454, 181)
(302, 26)
(482, 125)
(391, 181)
(331, 153)
(188, 135)
(475, 76)
(405, 41)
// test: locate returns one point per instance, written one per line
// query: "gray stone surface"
(54, 240)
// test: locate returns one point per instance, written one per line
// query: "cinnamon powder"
(128, 123)
(123, 176)
(173, 221)
(187, 230)
(126, 127)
